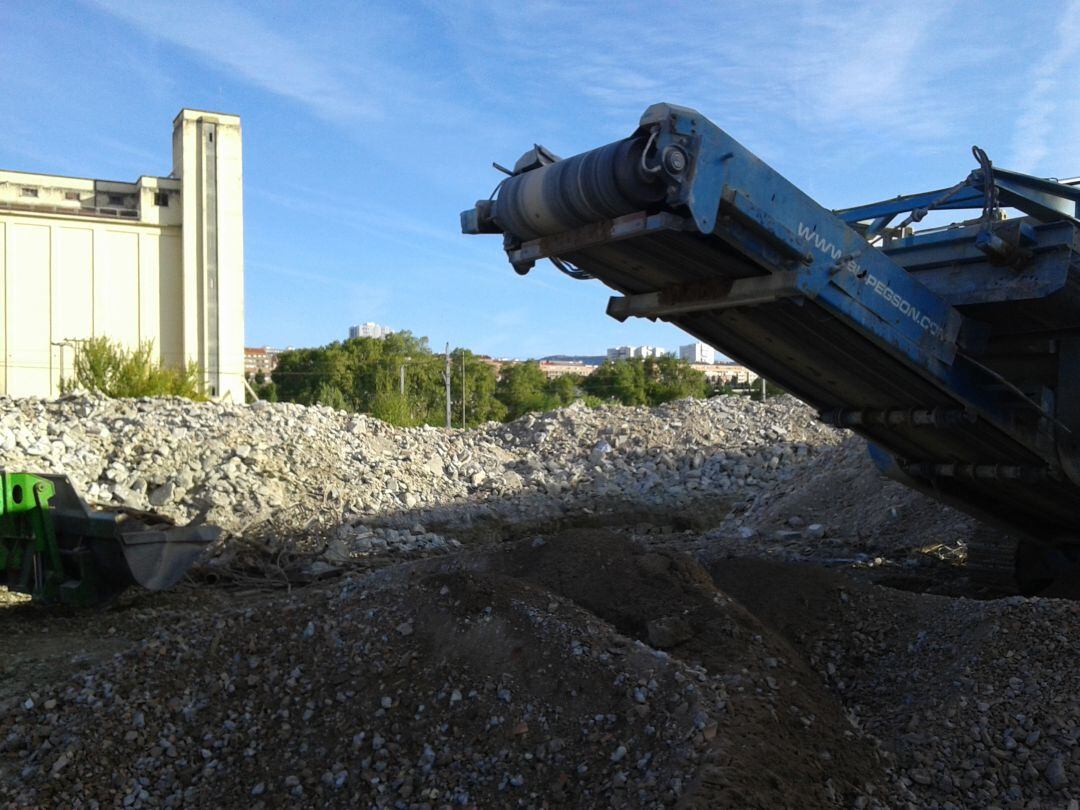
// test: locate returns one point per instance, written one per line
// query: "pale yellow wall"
(68, 280)
(231, 258)
(28, 333)
(84, 258)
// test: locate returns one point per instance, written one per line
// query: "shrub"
(106, 367)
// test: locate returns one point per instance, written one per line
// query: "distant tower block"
(207, 157)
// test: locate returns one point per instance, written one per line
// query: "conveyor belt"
(975, 329)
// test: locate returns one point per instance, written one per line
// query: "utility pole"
(462, 388)
(402, 385)
(446, 379)
(762, 389)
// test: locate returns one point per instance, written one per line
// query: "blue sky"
(369, 126)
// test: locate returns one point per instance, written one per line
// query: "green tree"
(481, 385)
(771, 390)
(331, 397)
(106, 367)
(668, 378)
(365, 374)
(648, 381)
(521, 388)
(621, 381)
(564, 390)
(263, 387)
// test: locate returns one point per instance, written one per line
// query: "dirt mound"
(974, 700)
(859, 511)
(784, 740)
(579, 671)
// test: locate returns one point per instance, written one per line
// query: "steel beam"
(743, 292)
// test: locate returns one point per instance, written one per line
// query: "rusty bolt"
(674, 159)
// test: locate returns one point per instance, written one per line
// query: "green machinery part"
(60, 551)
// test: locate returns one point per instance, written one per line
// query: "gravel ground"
(725, 643)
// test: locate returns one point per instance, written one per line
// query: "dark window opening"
(29, 192)
(71, 195)
(116, 199)
(210, 136)
(161, 198)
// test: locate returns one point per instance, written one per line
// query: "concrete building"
(160, 259)
(697, 353)
(627, 352)
(369, 330)
(553, 368)
(726, 373)
(260, 359)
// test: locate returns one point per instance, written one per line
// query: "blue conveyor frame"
(955, 351)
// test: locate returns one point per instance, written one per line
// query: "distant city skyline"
(697, 353)
(369, 329)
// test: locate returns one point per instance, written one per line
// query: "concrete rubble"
(238, 465)
(749, 617)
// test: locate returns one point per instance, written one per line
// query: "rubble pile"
(975, 700)
(237, 465)
(519, 677)
(695, 652)
(838, 507)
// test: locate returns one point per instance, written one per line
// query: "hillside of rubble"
(690, 606)
(727, 464)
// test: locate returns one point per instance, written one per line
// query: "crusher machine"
(954, 350)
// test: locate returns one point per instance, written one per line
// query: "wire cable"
(569, 269)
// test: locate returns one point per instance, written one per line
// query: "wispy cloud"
(1050, 112)
(853, 82)
(241, 42)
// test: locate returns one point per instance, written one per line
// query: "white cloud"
(1050, 114)
(851, 80)
(239, 41)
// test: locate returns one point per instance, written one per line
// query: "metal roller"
(604, 183)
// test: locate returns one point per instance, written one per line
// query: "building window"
(161, 198)
(116, 199)
(28, 192)
(71, 195)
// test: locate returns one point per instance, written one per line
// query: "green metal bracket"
(28, 549)
(60, 551)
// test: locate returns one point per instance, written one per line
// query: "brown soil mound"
(526, 677)
(784, 741)
(974, 700)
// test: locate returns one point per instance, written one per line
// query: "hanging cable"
(645, 167)
(918, 214)
(990, 201)
(570, 270)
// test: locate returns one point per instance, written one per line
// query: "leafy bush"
(648, 381)
(106, 367)
(364, 374)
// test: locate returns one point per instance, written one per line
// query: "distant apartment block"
(697, 353)
(260, 360)
(369, 330)
(158, 260)
(628, 352)
(726, 373)
(556, 368)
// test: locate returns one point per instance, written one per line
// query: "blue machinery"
(955, 351)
